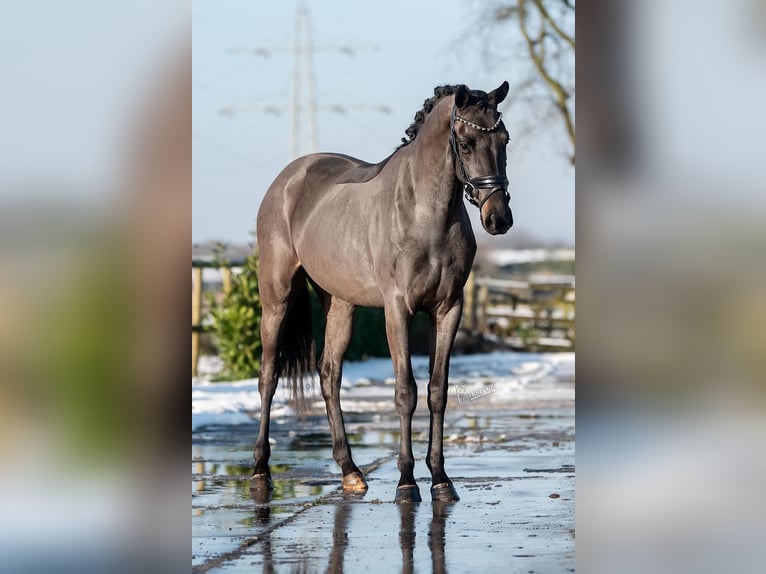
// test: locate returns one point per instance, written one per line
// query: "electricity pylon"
(303, 97)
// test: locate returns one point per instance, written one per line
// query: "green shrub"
(236, 322)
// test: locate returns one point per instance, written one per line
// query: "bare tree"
(544, 29)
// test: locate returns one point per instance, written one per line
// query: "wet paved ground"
(512, 465)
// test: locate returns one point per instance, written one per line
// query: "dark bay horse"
(395, 235)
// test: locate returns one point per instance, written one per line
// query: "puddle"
(495, 529)
(510, 518)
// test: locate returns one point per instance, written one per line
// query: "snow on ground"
(228, 403)
(368, 385)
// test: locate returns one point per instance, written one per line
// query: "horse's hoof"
(444, 492)
(261, 482)
(354, 482)
(407, 493)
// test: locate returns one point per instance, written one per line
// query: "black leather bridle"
(471, 186)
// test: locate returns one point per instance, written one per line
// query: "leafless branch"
(536, 48)
(552, 23)
(540, 32)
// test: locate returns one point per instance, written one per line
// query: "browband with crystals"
(478, 127)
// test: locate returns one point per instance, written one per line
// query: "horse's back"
(307, 174)
(314, 173)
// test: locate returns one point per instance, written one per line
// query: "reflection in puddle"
(262, 497)
(202, 467)
(441, 511)
(339, 537)
(477, 422)
(357, 436)
(311, 440)
(305, 524)
(304, 554)
(407, 535)
(364, 437)
(287, 489)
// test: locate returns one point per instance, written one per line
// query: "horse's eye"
(465, 147)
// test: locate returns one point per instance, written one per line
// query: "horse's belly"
(339, 265)
(350, 282)
(332, 246)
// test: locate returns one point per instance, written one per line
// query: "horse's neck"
(433, 181)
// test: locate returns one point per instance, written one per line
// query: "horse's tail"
(297, 358)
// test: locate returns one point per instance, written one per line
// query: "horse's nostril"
(491, 221)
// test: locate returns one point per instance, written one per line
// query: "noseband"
(471, 186)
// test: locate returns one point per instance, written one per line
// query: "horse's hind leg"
(337, 337)
(277, 285)
(267, 386)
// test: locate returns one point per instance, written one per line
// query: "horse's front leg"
(406, 395)
(446, 320)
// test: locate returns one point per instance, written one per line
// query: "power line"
(223, 149)
(303, 88)
(276, 109)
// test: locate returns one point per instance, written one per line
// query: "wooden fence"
(534, 315)
(198, 327)
(537, 314)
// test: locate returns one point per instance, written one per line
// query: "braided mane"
(366, 171)
(440, 92)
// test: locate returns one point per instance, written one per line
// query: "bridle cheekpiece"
(472, 185)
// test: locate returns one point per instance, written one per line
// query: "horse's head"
(478, 139)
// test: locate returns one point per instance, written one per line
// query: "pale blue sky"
(419, 47)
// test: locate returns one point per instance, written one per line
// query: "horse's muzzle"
(497, 223)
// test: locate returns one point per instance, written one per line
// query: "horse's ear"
(498, 95)
(461, 96)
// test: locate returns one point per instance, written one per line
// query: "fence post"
(196, 313)
(482, 303)
(469, 303)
